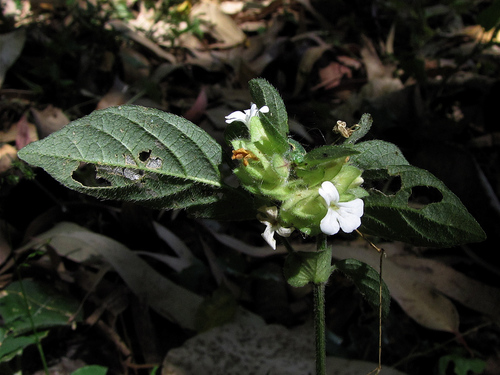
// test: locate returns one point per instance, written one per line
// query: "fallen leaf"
(25, 132)
(11, 45)
(198, 108)
(81, 245)
(136, 67)
(469, 292)
(419, 300)
(117, 95)
(184, 257)
(218, 24)
(8, 153)
(49, 120)
(244, 248)
(141, 39)
(331, 75)
(310, 57)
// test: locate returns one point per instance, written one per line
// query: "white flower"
(247, 115)
(340, 215)
(272, 225)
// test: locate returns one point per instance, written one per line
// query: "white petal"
(268, 235)
(349, 215)
(329, 193)
(285, 232)
(264, 109)
(271, 212)
(236, 116)
(253, 111)
(354, 207)
(329, 225)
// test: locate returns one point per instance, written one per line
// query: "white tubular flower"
(246, 116)
(340, 215)
(272, 226)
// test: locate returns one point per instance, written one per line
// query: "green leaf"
(133, 153)
(374, 156)
(490, 16)
(328, 153)
(302, 268)
(11, 346)
(364, 126)
(91, 370)
(48, 307)
(367, 280)
(442, 223)
(263, 93)
(462, 365)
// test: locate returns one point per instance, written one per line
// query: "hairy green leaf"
(263, 93)
(439, 220)
(302, 268)
(363, 127)
(374, 156)
(442, 222)
(133, 153)
(367, 280)
(328, 153)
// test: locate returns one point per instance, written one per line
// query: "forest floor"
(427, 74)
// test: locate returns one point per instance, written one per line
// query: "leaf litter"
(437, 92)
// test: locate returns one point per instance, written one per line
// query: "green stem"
(319, 317)
(319, 328)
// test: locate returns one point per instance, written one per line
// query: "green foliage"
(48, 308)
(444, 222)
(302, 268)
(263, 93)
(91, 370)
(490, 17)
(462, 365)
(133, 153)
(367, 281)
(162, 160)
(364, 126)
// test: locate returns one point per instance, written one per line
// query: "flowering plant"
(161, 160)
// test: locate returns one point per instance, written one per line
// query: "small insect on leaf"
(343, 130)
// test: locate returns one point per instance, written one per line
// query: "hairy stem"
(319, 317)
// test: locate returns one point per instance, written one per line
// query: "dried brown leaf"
(418, 299)
(81, 245)
(219, 25)
(49, 120)
(8, 153)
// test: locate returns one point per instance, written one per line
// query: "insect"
(341, 127)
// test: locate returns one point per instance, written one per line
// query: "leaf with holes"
(442, 221)
(133, 153)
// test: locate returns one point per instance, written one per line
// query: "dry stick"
(382, 253)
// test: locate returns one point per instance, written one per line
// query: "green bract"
(284, 173)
